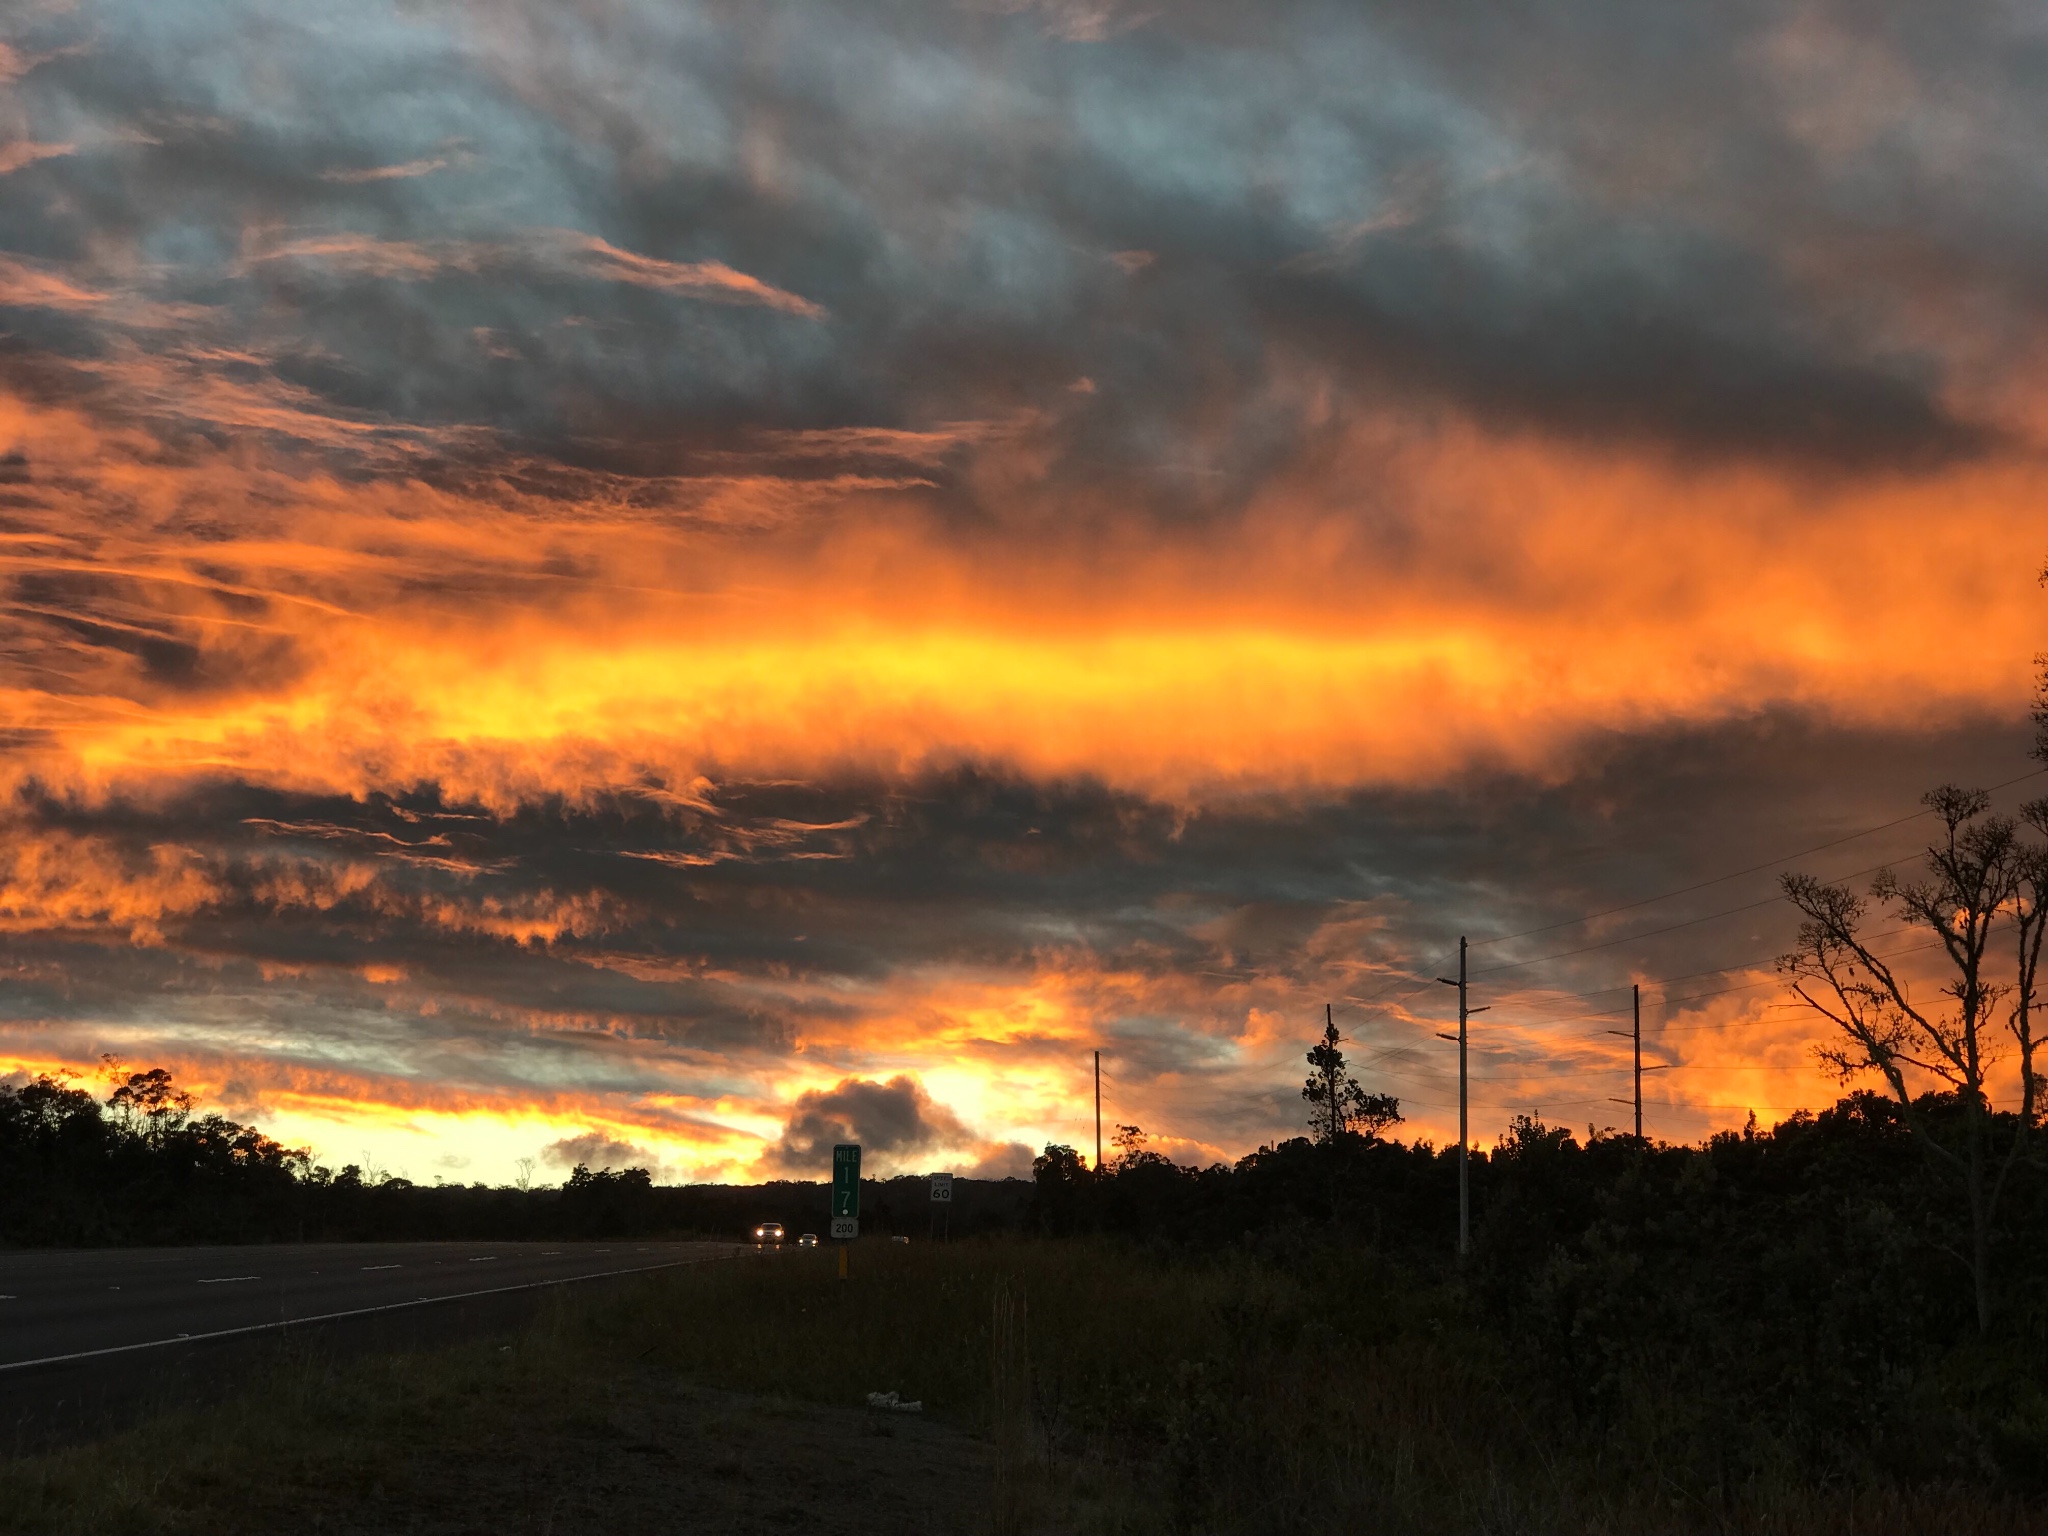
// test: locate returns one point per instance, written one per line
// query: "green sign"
(846, 1179)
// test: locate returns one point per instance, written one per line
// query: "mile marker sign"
(846, 1190)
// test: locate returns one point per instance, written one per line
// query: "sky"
(661, 583)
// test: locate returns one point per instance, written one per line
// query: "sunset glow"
(570, 615)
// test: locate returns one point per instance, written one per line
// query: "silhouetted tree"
(1337, 1103)
(1131, 1152)
(1982, 876)
(607, 1204)
(153, 1100)
(1062, 1189)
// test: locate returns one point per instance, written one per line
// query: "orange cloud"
(584, 636)
(23, 152)
(584, 254)
(405, 171)
(698, 279)
(33, 287)
(582, 647)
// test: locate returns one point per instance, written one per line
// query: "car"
(768, 1234)
(808, 1240)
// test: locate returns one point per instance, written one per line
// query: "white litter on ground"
(891, 1403)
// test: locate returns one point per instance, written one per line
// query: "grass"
(1322, 1396)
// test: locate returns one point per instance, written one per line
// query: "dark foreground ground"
(1070, 1388)
(553, 1421)
(501, 1440)
(661, 1456)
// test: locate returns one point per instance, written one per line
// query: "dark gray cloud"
(594, 1149)
(1721, 232)
(894, 1121)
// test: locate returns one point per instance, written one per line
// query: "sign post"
(942, 1199)
(846, 1191)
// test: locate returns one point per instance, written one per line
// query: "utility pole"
(1098, 1111)
(1464, 1120)
(1634, 1035)
(1330, 1071)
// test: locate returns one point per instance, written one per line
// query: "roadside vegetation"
(1310, 1387)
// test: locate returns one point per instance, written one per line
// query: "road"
(83, 1304)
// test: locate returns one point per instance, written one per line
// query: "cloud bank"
(697, 578)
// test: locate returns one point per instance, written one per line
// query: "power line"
(1687, 1029)
(1413, 981)
(1547, 1101)
(1722, 970)
(1669, 1002)
(1702, 885)
(1417, 980)
(1686, 890)
(1413, 975)
(1651, 933)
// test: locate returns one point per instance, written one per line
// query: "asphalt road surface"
(91, 1304)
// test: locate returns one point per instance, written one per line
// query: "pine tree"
(1337, 1104)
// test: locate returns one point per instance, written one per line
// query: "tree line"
(142, 1167)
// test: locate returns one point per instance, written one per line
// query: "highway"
(74, 1305)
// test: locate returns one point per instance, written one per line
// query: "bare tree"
(1983, 879)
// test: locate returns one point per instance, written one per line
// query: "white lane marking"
(549, 1253)
(369, 1267)
(330, 1317)
(9, 1298)
(485, 1259)
(223, 1280)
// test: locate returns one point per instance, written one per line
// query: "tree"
(1337, 1104)
(1130, 1149)
(153, 1099)
(1983, 879)
(606, 1203)
(1059, 1164)
(1062, 1186)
